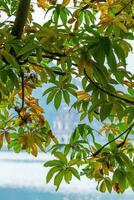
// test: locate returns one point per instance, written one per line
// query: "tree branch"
(123, 142)
(54, 71)
(120, 145)
(21, 18)
(107, 92)
(119, 12)
(92, 1)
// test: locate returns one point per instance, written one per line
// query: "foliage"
(90, 41)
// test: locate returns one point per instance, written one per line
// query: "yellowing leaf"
(122, 26)
(65, 3)
(87, 65)
(34, 151)
(83, 96)
(43, 4)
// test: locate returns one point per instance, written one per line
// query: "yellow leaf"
(83, 96)
(65, 3)
(43, 4)
(34, 150)
(38, 142)
(87, 65)
(89, 68)
(121, 26)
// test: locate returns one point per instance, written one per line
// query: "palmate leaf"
(72, 52)
(51, 172)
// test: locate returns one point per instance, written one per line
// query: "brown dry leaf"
(71, 20)
(1, 140)
(116, 187)
(7, 137)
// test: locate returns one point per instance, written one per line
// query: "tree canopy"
(88, 40)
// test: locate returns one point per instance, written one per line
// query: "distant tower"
(64, 121)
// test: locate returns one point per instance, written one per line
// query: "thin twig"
(94, 83)
(54, 71)
(124, 141)
(119, 12)
(92, 1)
(126, 131)
(107, 92)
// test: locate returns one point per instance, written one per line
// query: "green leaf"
(5, 6)
(112, 144)
(28, 48)
(67, 176)
(108, 185)
(58, 178)
(13, 77)
(119, 52)
(57, 99)
(126, 160)
(67, 149)
(120, 111)
(103, 186)
(51, 173)
(10, 59)
(63, 16)
(49, 90)
(130, 178)
(75, 172)
(66, 97)
(61, 157)
(51, 95)
(111, 60)
(53, 163)
(105, 111)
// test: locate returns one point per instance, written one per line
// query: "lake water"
(22, 177)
